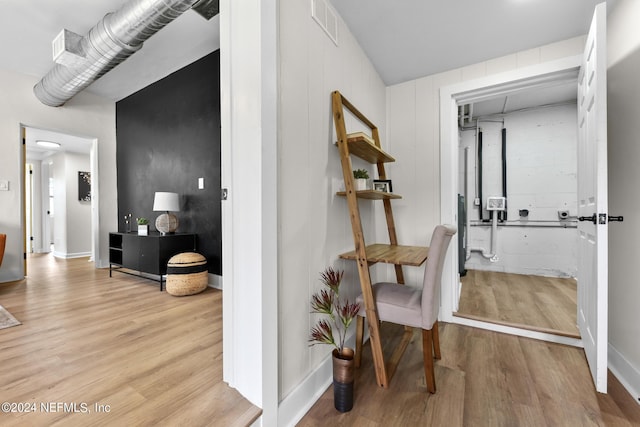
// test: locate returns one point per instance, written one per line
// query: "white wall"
(72, 218)
(78, 212)
(541, 177)
(313, 222)
(624, 174)
(86, 115)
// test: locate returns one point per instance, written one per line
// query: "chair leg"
(427, 345)
(436, 340)
(359, 339)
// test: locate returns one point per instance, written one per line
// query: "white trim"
(226, 177)
(542, 336)
(248, 91)
(215, 281)
(625, 372)
(306, 394)
(95, 204)
(65, 255)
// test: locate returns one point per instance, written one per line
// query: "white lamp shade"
(165, 201)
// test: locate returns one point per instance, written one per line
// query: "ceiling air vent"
(326, 18)
(67, 49)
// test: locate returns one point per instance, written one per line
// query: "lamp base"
(167, 223)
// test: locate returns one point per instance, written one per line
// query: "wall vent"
(325, 16)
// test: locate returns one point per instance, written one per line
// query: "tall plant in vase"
(332, 330)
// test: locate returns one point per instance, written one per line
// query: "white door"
(592, 200)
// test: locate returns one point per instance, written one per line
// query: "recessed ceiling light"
(48, 144)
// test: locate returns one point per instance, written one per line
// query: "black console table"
(147, 254)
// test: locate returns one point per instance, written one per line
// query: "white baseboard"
(625, 372)
(71, 255)
(306, 394)
(215, 281)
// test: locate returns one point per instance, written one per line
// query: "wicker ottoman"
(187, 274)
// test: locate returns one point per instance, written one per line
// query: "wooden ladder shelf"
(369, 149)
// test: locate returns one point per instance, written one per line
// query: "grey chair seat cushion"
(396, 304)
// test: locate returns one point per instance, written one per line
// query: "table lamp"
(166, 223)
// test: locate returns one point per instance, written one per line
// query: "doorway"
(518, 259)
(58, 219)
(454, 101)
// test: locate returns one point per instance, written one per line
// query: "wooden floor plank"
(545, 304)
(154, 359)
(483, 379)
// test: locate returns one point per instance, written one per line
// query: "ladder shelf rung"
(372, 195)
(362, 145)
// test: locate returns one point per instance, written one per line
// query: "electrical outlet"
(200, 183)
(4, 185)
(476, 201)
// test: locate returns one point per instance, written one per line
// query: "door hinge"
(224, 193)
(602, 218)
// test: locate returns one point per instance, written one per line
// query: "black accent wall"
(168, 136)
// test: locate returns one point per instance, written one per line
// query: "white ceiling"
(68, 143)
(406, 39)
(556, 92)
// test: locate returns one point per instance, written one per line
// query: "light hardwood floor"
(85, 338)
(483, 379)
(539, 303)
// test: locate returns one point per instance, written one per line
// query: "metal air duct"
(116, 37)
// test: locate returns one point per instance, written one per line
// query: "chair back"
(3, 242)
(433, 273)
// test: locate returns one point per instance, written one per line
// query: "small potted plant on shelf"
(361, 179)
(332, 330)
(143, 226)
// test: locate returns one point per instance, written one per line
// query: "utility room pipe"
(503, 214)
(493, 256)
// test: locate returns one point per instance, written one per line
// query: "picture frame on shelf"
(383, 185)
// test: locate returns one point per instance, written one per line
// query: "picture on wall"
(84, 186)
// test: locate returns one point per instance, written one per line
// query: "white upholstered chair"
(417, 308)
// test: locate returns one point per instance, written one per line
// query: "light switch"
(4, 185)
(200, 183)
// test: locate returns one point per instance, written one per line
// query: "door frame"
(475, 91)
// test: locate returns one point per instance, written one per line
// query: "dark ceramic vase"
(343, 366)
